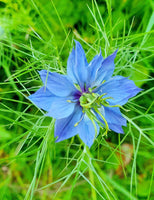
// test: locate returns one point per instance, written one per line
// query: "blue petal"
(58, 84)
(116, 128)
(113, 115)
(87, 132)
(70, 66)
(114, 119)
(61, 108)
(64, 128)
(77, 65)
(107, 68)
(93, 68)
(42, 98)
(81, 52)
(120, 89)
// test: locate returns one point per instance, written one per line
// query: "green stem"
(91, 175)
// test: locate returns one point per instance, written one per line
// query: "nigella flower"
(86, 99)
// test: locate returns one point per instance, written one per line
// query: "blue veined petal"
(42, 98)
(86, 131)
(114, 119)
(106, 70)
(93, 68)
(116, 128)
(113, 115)
(61, 108)
(57, 107)
(120, 89)
(80, 67)
(64, 128)
(58, 84)
(71, 66)
(76, 65)
(81, 52)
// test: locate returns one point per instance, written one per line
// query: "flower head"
(87, 98)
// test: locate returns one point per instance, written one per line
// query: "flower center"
(91, 103)
(93, 100)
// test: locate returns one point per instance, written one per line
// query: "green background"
(38, 34)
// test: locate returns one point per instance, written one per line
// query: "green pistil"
(87, 100)
(93, 101)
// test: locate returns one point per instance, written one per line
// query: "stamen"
(90, 90)
(103, 81)
(76, 124)
(95, 87)
(85, 86)
(70, 101)
(77, 87)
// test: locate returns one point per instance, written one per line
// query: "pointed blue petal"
(116, 128)
(81, 52)
(107, 68)
(113, 115)
(120, 89)
(93, 68)
(61, 108)
(80, 67)
(71, 66)
(87, 132)
(42, 98)
(64, 128)
(58, 84)
(114, 119)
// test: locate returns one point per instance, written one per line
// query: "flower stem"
(91, 175)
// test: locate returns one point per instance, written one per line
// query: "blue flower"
(87, 98)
